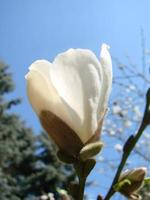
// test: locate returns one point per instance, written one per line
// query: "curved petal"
(105, 60)
(44, 97)
(40, 90)
(76, 75)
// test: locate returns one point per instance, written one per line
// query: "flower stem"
(83, 169)
(82, 181)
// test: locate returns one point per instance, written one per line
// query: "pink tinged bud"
(70, 96)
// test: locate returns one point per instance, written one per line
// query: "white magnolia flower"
(75, 88)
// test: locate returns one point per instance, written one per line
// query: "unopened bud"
(90, 150)
(132, 181)
(138, 174)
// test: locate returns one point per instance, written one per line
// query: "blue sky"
(35, 29)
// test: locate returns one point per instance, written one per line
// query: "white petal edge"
(106, 63)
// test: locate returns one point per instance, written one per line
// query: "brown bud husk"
(66, 158)
(66, 139)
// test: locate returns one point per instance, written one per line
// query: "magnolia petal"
(76, 76)
(42, 95)
(105, 60)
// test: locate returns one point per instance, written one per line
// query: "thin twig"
(128, 147)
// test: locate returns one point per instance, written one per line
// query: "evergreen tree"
(28, 163)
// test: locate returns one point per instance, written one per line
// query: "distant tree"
(28, 163)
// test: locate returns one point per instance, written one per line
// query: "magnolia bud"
(90, 150)
(70, 96)
(130, 182)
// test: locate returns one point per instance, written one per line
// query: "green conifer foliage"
(28, 163)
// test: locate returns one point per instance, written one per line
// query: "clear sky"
(36, 29)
